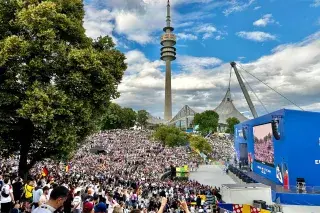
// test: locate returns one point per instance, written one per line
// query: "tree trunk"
(25, 143)
(23, 165)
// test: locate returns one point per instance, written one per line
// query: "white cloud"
(218, 37)
(292, 69)
(207, 31)
(184, 36)
(237, 6)
(188, 63)
(97, 22)
(130, 24)
(256, 36)
(257, 8)
(264, 21)
(206, 28)
(140, 21)
(184, 24)
(316, 3)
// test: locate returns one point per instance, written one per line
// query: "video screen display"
(263, 144)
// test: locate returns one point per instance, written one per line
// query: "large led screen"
(263, 144)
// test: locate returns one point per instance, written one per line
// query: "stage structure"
(168, 54)
(283, 151)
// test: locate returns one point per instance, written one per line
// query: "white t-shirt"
(44, 209)
(7, 189)
(77, 202)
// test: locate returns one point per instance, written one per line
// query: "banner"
(184, 169)
(182, 175)
(239, 208)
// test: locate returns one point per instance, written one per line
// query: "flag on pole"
(67, 168)
(45, 172)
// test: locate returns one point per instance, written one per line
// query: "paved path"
(212, 175)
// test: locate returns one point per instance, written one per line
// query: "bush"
(170, 136)
(200, 143)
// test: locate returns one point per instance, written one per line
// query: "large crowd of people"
(264, 150)
(222, 147)
(114, 171)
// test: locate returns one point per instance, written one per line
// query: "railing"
(299, 190)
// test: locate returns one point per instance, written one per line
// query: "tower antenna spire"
(168, 14)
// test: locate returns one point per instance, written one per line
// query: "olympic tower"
(168, 54)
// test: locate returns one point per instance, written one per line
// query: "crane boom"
(244, 90)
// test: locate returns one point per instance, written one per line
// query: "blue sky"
(276, 40)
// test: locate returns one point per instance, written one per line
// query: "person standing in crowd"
(100, 208)
(37, 192)
(57, 198)
(7, 198)
(77, 203)
(1, 182)
(67, 206)
(28, 191)
(88, 207)
(17, 188)
(44, 197)
(16, 208)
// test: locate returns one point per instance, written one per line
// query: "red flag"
(45, 172)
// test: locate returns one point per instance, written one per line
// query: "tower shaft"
(168, 94)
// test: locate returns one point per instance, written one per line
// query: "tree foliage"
(207, 121)
(142, 118)
(231, 122)
(200, 143)
(170, 136)
(55, 82)
(118, 118)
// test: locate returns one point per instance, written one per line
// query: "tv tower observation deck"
(168, 54)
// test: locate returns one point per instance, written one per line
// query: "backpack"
(3, 192)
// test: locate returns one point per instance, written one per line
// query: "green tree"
(112, 118)
(170, 136)
(231, 122)
(200, 143)
(142, 118)
(207, 121)
(55, 82)
(129, 118)
(117, 117)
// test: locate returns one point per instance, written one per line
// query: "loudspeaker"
(300, 180)
(244, 133)
(260, 204)
(275, 129)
